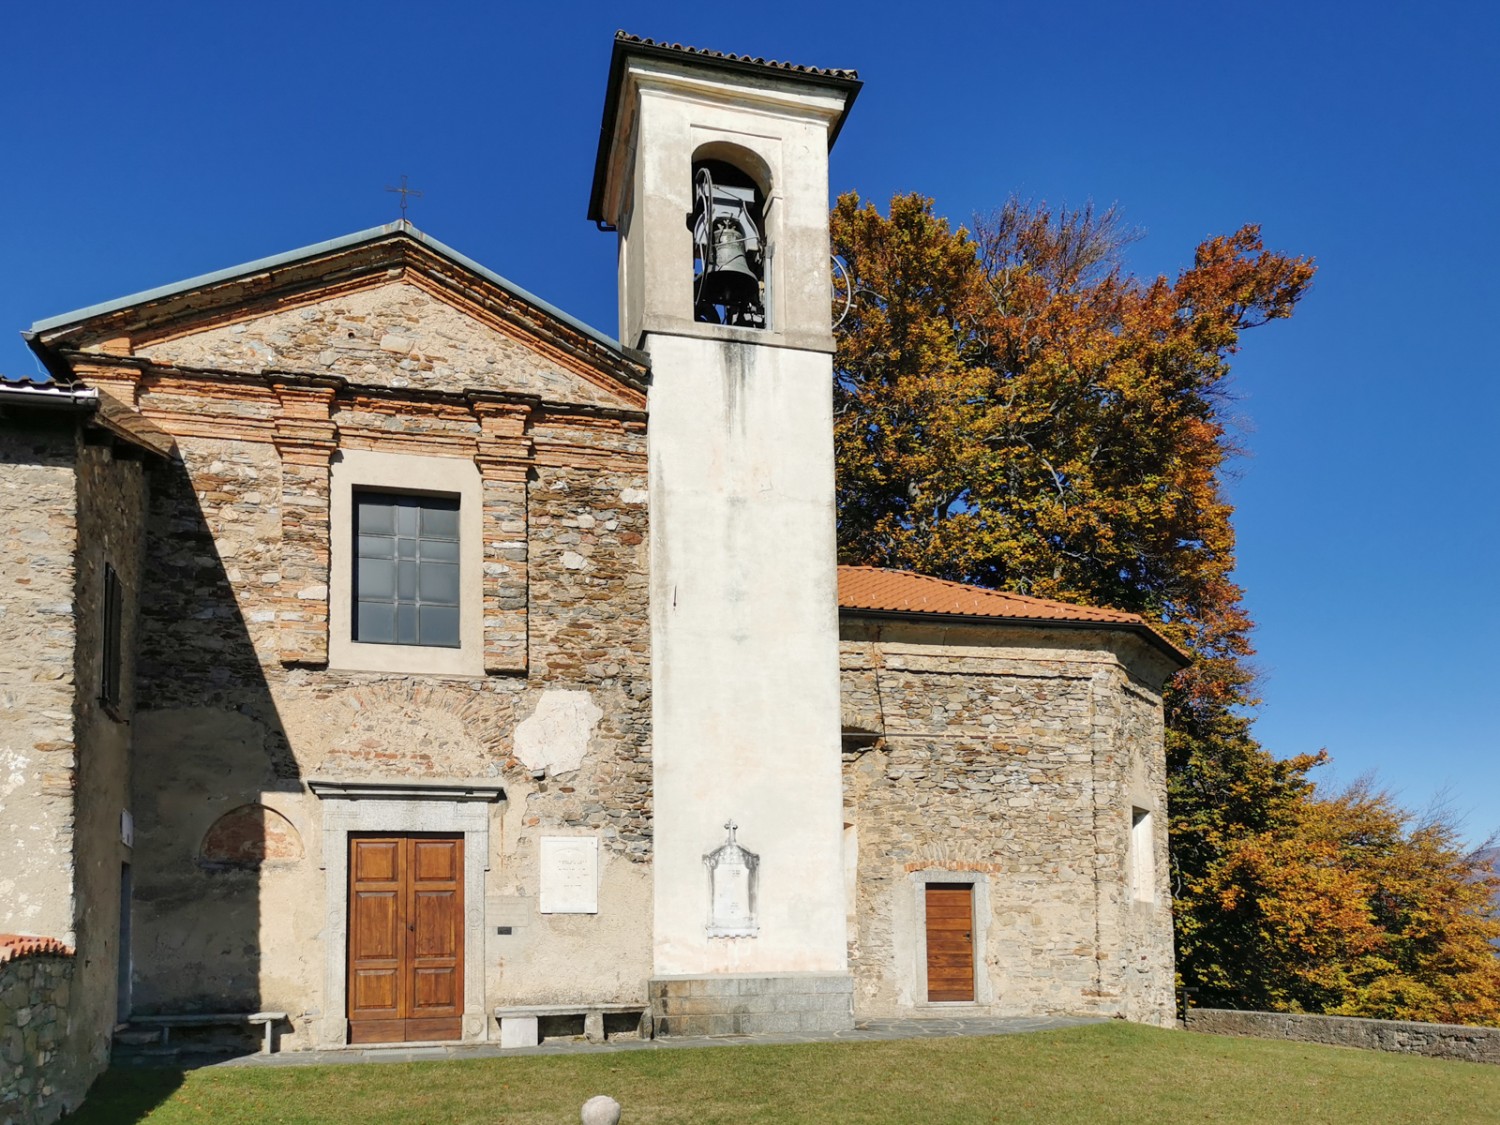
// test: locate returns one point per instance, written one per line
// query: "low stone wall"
(1438, 1040)
(40, 1077)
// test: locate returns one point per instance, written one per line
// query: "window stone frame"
(359, 470)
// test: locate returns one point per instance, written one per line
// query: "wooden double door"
(950, 942)
(406, 937)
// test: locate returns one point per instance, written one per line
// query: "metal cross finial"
(730, 825)
(403, 191)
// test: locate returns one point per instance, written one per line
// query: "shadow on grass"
(123, 1096)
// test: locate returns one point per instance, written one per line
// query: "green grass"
(1107, 1073)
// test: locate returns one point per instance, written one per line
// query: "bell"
(731, 280)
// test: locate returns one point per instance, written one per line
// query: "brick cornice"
(505, 449)
(305, 433)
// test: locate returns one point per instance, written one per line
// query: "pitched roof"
(721, 56)
(873, 589)
(368, 252)
(15, 946)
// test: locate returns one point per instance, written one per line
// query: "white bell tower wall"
(746, 713)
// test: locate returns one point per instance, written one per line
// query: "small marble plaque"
(570, 875)
(732, 888)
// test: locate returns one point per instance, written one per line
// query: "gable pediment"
(395, 310)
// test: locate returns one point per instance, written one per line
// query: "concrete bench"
(518, 1024)
(165, 1024)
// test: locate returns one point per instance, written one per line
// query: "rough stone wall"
(111, 530)
(394, 335)
(1136, 932)
(38, 749)
(41, 1075)
(1007, 757)
(234, 721)
(1437, 1040)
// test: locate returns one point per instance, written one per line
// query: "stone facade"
(244, 704)
(1010, 760)
(73, 503)
(1436, 1040)
(42, 1076)
(38, 741)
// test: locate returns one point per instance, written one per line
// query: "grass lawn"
(1106, 1072)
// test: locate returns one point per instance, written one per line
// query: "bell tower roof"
(740, 67)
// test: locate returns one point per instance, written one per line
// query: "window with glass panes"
(406, 573)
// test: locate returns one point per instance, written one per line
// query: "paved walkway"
(864, 1031)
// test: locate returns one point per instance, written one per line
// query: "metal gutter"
(50, 398)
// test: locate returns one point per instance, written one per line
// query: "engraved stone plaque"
(732, 888)
(570, 875)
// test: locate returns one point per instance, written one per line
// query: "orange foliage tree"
(1013, 409)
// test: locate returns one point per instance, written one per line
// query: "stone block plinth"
(753, 1004)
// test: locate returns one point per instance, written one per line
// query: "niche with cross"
(733, 872)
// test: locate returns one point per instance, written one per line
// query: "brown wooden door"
(950, 941)
(406, 946)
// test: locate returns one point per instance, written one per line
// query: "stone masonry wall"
(393, 335)
(1007, 758)
(1437, 1040)
(38, 752)
(42, 1076)
(234, 720)
(111, 530)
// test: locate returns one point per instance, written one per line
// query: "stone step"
(137, 1037)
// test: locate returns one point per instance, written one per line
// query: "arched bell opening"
(731, 249)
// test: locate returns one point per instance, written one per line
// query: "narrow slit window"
(406, 576)
(112, 654)
(1142, 857)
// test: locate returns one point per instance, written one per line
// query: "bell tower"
(714, 170)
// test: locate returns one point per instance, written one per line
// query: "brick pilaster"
(305, 438)
(504, 460)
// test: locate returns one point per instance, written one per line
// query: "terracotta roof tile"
(26, 382)
(772, 64)
(13, 947)
(878, 590)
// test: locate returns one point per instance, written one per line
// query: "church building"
(392, 657)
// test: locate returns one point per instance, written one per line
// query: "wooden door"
(406, 944)
(950, 941)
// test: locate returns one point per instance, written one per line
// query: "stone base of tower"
(753, 1003)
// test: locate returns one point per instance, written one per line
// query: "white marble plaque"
(570, 875)
(732, 890)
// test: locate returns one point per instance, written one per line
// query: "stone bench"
(165, 1024)
(518, 1024)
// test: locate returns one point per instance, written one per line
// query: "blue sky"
(149, 142)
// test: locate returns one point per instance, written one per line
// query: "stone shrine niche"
(733, 875)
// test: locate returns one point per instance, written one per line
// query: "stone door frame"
(398, 808)
(983, 993)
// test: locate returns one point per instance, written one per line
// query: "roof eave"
(1137, 628)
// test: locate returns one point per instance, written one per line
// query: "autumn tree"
(1013, 409)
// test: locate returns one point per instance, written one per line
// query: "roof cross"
(403, 191)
